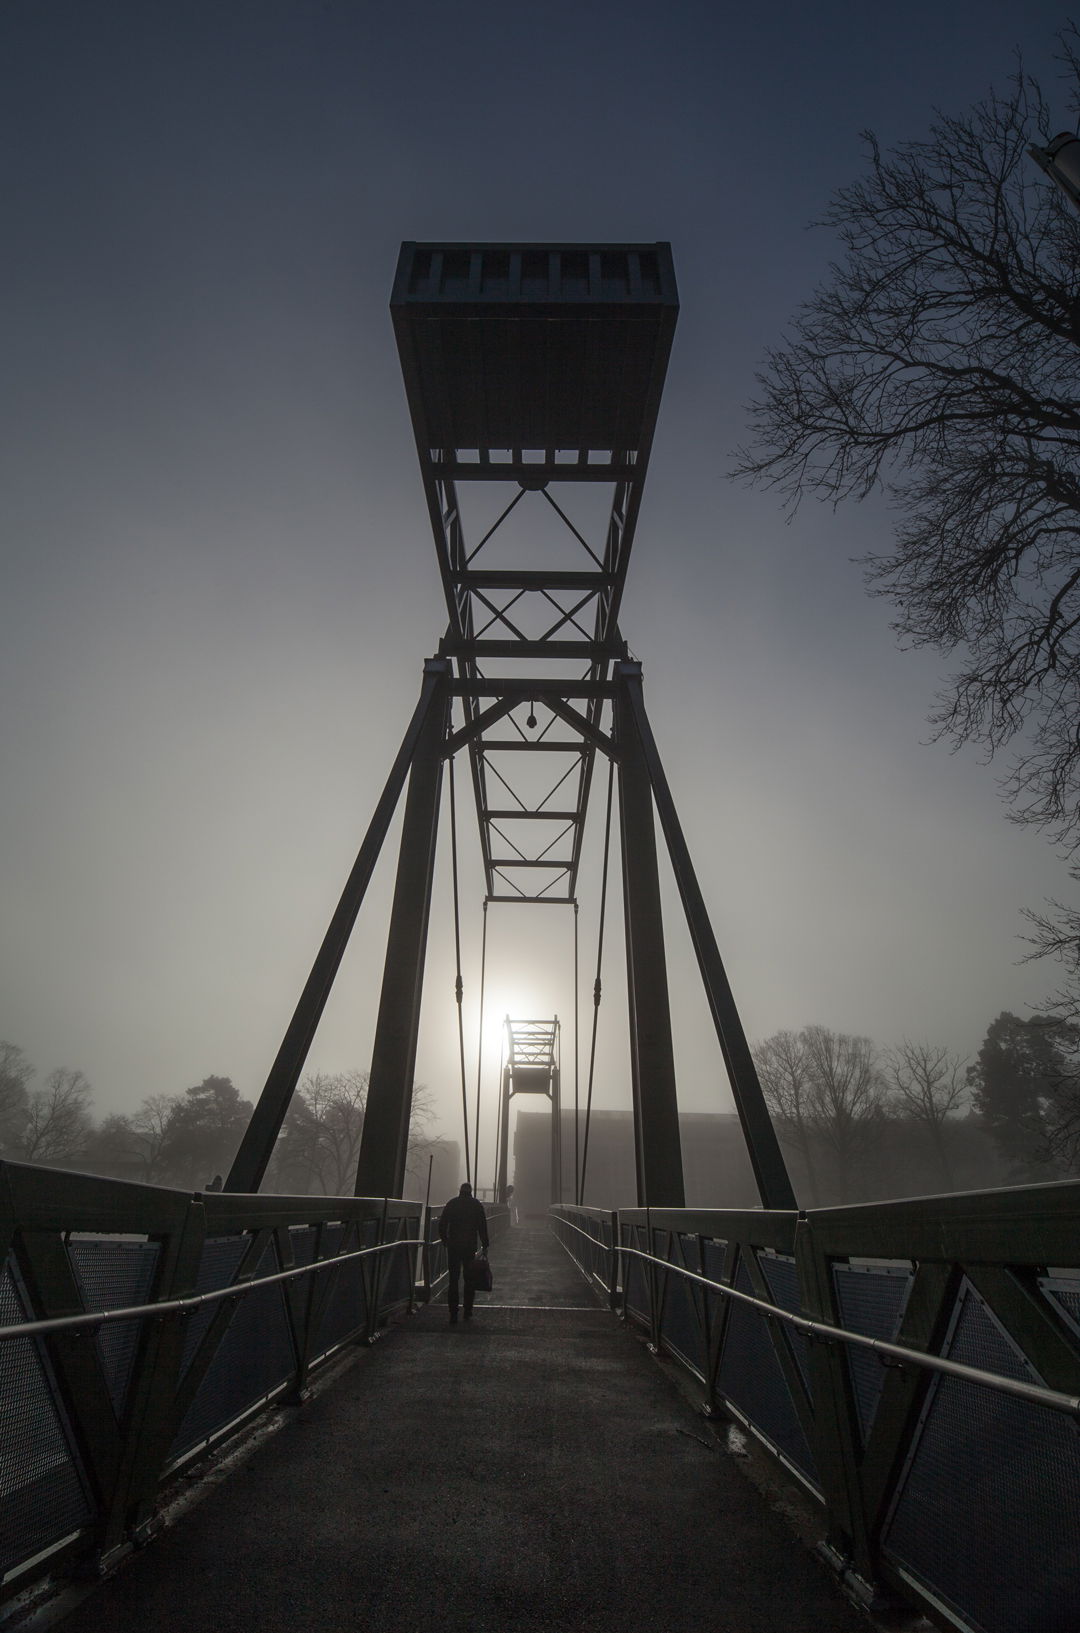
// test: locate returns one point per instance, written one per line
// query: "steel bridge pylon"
(532, 1065)
(530, 370)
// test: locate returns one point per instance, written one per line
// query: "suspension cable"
(458, 984)
(577, 1105)
(499, 1119)
(480, 1047)
(596, 984)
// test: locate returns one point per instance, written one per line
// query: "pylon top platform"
(537, 355)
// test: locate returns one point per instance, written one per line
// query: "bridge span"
(533, 1470)
(910, 1368)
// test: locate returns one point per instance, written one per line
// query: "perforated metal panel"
(111, 1275)
(343, 1297)
(42, 1498)
(255, 1356)
(221, 1256)
(782, 1280)
(871, 1300)
(397, 1269)
(681, 1327)
(753, 1380)
(635, 1286)
(988, 1510)
(1064, 1296)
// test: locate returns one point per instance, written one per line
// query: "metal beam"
(534, 816)
(656, 1111)
(510, 578)
(514, 745)
(532, 476)
(524, 688)
(256, 1147)
(473, 728)
(384, 1141)
(589, 732)
(770, 1170)
(585, 651)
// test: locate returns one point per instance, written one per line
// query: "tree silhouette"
(58, 1119)
(203, 1132)
(939, 363)
(927, 1084)
(1016, 1078)
(15, 1074)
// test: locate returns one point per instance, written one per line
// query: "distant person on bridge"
(462, 1224)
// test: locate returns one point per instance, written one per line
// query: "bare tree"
(783, 1067)
(336, 1103)
(319, 1145)
(150, 1126)
(939, 363)
(58, 1118)
(1062, 1126)
(420, 1144)
(847, 1096)
(15, 1074)
(928, 1085)
(828, 1096)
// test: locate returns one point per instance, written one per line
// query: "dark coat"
(462, 1221)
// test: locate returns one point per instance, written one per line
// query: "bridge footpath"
(531, 1470)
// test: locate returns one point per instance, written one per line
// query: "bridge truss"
(530, 370)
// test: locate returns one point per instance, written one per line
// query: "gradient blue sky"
(218, 579)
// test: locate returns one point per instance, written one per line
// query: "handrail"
(1036, 1393)
(98, 1318)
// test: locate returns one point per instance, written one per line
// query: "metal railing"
(892, 1358)
(139, 1326)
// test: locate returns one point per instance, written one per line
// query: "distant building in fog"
(716, 1169)
(717, 1172)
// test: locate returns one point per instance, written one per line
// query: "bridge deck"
(533, 1470)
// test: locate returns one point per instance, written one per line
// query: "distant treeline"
(859, 1121)
(189, 1139)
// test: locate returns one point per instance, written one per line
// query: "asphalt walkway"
(532, 1471)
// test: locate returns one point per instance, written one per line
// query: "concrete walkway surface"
(532, 1471)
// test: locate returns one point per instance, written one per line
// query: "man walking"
(463, 1221)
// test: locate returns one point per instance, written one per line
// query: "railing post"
(151, 1415)
(372, 1323)
(655, 1295)
(837, 1447)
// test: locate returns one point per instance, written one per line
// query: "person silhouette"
(461, 1223)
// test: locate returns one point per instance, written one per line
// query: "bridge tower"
(536, 368)
(531, 1066)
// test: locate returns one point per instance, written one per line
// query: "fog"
(219, 580)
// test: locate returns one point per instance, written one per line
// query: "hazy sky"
(218, 579)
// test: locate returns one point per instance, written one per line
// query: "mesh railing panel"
(871, 1301)
(988, 1508)
(782, 1280)
(752, 1379)
(343, 1304)
(1064, 1297)
(255, 1356)
(42, 1499)
(397, 1268)
(682, 1326)
(635, 1282)
(111, 1275)
(221, 1256)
